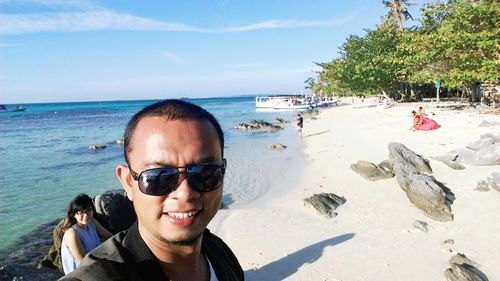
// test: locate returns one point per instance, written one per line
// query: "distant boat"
(18, 108)
(293, 102)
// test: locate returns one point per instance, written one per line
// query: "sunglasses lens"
(158, 181)
(161, 181)
(205, 178)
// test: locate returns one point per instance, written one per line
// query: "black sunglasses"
(162, 181)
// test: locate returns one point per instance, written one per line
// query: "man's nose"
(184, 190)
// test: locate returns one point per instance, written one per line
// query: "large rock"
(53, 257)
(424, 191)
(373, 172)
(463, 269)
(483, 152)
(325, 203)
(114, 211)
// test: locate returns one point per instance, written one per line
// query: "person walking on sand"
(174, 177)
(81, 232)
(300, 123)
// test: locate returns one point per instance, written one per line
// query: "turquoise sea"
(45, 160)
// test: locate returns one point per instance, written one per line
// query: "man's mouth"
(183, 215)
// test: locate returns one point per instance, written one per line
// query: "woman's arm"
(101, 230)
(72, 240)
(417, 121)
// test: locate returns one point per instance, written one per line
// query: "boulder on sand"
(325, 203)
(373, 172)
(424, 191)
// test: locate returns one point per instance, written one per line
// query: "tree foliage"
(457, 42)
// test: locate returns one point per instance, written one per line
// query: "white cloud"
(284, 24)
(105, 19)
(83, 21)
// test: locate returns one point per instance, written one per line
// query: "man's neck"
(179, 262)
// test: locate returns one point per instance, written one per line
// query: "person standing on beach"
(300, 122)
(174, 178)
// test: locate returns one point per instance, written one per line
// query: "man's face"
(183, 214)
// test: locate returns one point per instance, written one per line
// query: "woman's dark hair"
(171, 109)
(78, 204)
(413, 112)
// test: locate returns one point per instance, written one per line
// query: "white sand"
(372, 238)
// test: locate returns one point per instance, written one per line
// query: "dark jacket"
(125, 256)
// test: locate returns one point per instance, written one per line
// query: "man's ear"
(123, 174)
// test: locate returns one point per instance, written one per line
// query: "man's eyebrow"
(207, 159)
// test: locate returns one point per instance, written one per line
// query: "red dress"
(427, 124)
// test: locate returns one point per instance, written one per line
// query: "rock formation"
(374, 172)
(463, 269)
(325, 203)
(424, 191)
(483, 152)
(260, 125)
(114, 211)
(97, 147)
(278, 147)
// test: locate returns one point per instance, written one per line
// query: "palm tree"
(398, 13)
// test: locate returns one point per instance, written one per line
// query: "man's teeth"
(182, 215)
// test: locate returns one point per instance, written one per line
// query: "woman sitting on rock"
(81, 232)
(423, 123)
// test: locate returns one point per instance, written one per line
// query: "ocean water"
(45, 160)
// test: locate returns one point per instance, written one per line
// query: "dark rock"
(114, 211)
(19, 262)
(463, 269)
(53, 257)
(18, 272)
(277, 146)
(424, 191)
(449, 242)
(422, 225)
(325, 203)
(374, 172)
(97, 146)
(259, 125)
(281, 121)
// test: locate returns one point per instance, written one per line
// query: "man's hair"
(171, 109)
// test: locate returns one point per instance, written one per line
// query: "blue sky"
(65, 50)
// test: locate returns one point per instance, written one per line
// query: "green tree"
(398, 13)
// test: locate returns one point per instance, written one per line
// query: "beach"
(277, 237)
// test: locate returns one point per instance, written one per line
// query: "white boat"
(294, 102)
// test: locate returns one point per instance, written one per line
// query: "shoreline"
(372, 238)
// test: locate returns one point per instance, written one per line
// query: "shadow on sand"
(285, 267)
(310, 135)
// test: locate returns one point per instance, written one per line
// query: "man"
(174, 178)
